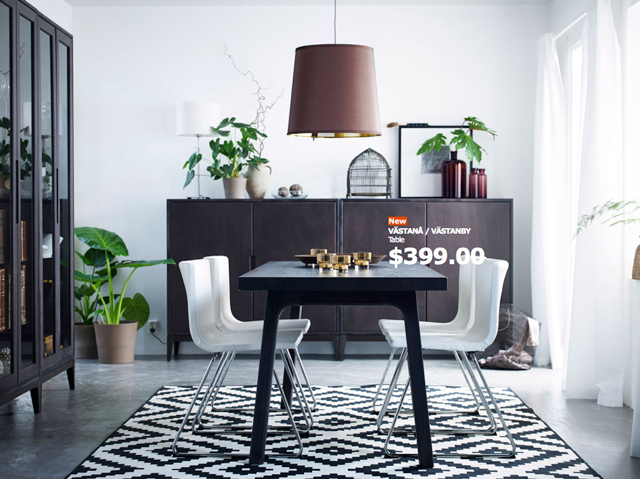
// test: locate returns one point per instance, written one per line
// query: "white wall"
(434, 63)
(57, 11)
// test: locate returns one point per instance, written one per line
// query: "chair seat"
(425, 327)
(246, 342)
(468, 342)
(302, 325)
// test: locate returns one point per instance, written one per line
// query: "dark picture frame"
(419, 176)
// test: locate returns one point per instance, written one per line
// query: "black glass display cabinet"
(36, 202)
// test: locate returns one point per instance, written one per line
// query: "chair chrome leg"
(222, 365)
(306, 380)
(392, 387)
(465, 360)
(174, 446)
(297, 389)
(384, 376)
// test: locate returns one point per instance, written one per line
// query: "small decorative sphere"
(283, 191)
(296, 190)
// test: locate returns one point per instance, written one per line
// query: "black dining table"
(290, 283)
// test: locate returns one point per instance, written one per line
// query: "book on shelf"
(5, 324)
(23, 241)
(48, 345)
(23, 294)
(3, 215)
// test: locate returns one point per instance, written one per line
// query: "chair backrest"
(489, 280)
(466, 298)
(219, 270)
(201, 303)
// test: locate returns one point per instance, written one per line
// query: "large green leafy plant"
(230, 156)
(461, 139)
(612, 212)
(88, 305)
(113, 307)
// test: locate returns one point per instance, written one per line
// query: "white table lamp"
(196, 119)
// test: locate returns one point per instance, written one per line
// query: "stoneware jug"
(234, 188)
(258, 181)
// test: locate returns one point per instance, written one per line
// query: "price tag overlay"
(399, 228)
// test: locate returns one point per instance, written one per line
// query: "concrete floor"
(73, 423)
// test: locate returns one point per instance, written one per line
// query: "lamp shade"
(334, 93)
(196, 118)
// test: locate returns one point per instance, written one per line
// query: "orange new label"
(397, 220)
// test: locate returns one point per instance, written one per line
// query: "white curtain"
(551, 234)
(599, 337)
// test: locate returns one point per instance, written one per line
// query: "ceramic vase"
(258, 181)
(234, 188)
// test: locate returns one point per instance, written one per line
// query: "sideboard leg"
(71, 377)
(36, 398)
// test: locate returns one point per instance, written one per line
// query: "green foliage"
(105, 247)
(614, 213)
(88, 304)
(230, 156)
(26, 164)
(461, 139)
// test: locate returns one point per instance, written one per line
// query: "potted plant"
(120, 316)
(88, 305)
(230, 156)
(615, 213)
(454, 171)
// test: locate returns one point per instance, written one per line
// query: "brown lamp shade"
(334, 92)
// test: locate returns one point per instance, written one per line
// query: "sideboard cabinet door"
(365, 228)
(283, 229)
(197, 229)
(490, 223)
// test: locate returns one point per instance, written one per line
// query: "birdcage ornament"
(369, 175)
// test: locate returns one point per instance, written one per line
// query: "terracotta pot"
(258, 181)
(116, 342)
(635, 273)
(85, 342)
(234, 188)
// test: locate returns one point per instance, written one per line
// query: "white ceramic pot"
(258, 181)
(234, 188)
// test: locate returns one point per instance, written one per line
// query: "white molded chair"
(227, 322)
(487, 291)
(202, 307)
(461, 323)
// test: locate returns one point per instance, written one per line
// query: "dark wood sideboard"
(253, 232)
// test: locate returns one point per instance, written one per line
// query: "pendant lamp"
(334, 93)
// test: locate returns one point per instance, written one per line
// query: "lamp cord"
(335, 14)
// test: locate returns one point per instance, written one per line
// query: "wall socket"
(152, 325)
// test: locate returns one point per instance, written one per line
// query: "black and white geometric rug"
(343, 443)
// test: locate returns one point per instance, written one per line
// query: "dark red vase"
(482, 183)
(454, 178)
(473, 183)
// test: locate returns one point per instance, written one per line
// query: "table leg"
(407, 303)
(265, 374)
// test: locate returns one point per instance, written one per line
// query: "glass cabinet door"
(6, 221)
(27, 188)
(49, 303)
(63, 193)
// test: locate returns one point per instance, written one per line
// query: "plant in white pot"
(230, 156)
(120, 316)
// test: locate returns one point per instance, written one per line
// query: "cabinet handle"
(18, 194)
(57, 196)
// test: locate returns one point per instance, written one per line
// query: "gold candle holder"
(318, 250)
(362, 260)
(324, 260)
(341, 262)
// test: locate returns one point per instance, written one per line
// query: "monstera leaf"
(103, 240)
(136, 309)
